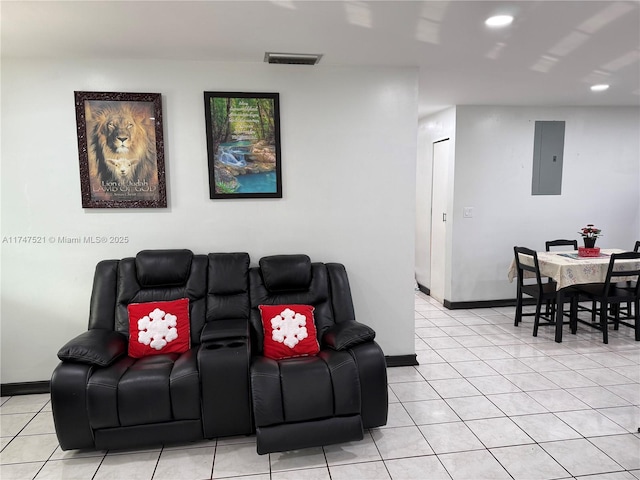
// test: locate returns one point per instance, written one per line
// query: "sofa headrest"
(228, 273)
(163, 267)
(286, 273)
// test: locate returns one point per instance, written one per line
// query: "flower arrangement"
(590, 231)
(589, 235)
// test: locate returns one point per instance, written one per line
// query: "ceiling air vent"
(292, 58)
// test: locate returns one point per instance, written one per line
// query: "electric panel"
(548, 151)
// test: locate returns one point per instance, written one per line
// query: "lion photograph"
(121, 147)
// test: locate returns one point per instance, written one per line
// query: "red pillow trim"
(289, 331)
(156, 328)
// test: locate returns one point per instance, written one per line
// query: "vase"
(589, 242)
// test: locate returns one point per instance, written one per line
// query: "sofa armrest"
(345, 335)
(94, 347)
(224, 329)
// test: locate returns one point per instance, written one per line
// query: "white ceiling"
(550, 55)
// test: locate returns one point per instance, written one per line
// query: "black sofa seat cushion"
(148, 390)
(304, 389)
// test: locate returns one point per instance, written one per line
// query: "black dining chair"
(636, 248)
(611, 294)
(550, 308)
(541, 291)
(561, 243)
(631, 285)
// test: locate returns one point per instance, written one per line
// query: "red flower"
(590, 231)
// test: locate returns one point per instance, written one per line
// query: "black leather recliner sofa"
(221, 383)
(322, 399)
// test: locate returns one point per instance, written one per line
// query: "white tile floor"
(488, 401)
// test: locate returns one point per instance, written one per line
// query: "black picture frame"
(243, 144)
(121, 149)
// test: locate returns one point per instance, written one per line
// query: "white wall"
(493, 168)
(348, 160)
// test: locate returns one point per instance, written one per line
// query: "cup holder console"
(222, 359)
(232, 344)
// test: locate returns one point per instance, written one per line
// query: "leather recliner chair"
(325, 398)
(104, 399)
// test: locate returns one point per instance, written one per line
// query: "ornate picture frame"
(243, 144)
(121, 150)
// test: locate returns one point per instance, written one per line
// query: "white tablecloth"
(571, 271)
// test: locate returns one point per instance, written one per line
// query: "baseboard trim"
(510, 302)
(424, 289)
(401, 360)
(24, 388)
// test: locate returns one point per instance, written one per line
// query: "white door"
(440, 181)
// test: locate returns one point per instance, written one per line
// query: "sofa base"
(179, 431)
(295, 436)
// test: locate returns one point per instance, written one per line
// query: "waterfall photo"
(243, 144)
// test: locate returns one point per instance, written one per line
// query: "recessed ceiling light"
(498, 21)
(599, 88)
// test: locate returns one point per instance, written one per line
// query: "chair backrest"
(228, 287)
(153, 275)
(294, 279)
(522, 267)
(621, 266)
(561, 243)
(637, 247)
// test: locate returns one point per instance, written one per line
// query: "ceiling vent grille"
(292, 58)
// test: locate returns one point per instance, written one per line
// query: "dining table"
(567, 268)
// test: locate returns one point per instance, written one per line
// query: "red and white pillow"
(159, 327)
(289, 331)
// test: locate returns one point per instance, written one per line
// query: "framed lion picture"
(121, 150)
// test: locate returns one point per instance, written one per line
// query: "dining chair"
(636, 248)
(580, 308)
(611, 294)
(631, 285)
(561, 243)
(550, 308)
(541, 291)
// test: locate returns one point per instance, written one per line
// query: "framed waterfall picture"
(243, 144)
